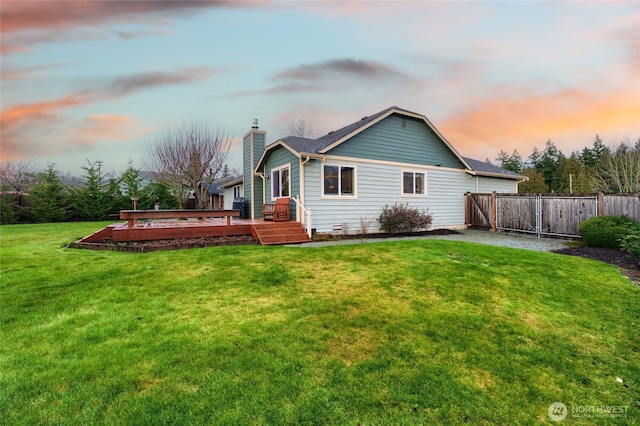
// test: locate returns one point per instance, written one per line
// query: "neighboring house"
(224, 191)
(350, 174)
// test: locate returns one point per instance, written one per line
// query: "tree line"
(29, 197)
(183, 163)
(614, 168)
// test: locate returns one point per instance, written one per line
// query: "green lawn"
(408, 332)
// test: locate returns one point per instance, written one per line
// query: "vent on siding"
(404, 123)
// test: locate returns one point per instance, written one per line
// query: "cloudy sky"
(98, 79)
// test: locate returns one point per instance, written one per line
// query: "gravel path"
(468, 235)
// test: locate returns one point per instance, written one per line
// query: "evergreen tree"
(90, 201)
(49, 198)
(547, 166)
(572, 175)
(535, 184)
(157, 191)
(7, 209)
(132, 184)
(115, 200)
(591, 156)
(502, 158)
(511, 162)
(534, 158)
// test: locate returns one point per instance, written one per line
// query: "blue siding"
(250, 161)
(246, 169)
(488, 184)
(380, 184)
(279, 157)
(258, 146)
(388, 140)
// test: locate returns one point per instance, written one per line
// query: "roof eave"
(271, 147)
(491, 174)
(232, 182)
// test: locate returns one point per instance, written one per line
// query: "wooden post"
(467, 209)
(600, 203)
(494, 211)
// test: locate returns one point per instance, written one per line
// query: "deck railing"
(300, 217)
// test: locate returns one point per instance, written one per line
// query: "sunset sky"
(97, 80)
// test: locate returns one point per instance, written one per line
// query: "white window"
(236, 192)
(339, 181)
(414, 183)
(280, 182)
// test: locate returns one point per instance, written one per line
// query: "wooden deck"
(263, 232)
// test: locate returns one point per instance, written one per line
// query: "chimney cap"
(255, 124)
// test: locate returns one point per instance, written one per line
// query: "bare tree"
(302, 129)
(188, 158)
(16, 176)
(619, 169)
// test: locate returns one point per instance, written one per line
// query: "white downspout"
(518, 182)
(261, 176)
(302, 163)
(264, 186)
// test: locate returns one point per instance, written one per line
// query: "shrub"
(401, 218)
(631, 243)
(365, 224)
(607, 231)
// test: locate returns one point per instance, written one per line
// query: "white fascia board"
(496, 175)
(270, 148)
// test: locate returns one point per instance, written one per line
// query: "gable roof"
(301, 146)
(219, 185)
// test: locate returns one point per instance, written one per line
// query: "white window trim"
(339, 196)
(275, 169)
(414, 171)
(238, 189)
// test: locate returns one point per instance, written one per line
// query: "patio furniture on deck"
(278, 211)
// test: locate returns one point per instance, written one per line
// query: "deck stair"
(279, 233)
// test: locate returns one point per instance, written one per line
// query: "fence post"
(494, 211)
(600, 204)
(467, 208)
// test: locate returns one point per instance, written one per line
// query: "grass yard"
(408, 332)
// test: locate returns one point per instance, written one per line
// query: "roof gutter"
(498, 175)
(311, 156)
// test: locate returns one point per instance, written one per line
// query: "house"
(224, 191)
(348, 175)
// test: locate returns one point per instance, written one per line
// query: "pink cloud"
(58, 15)
(38, 142)
(508, 124)
(41, 111)
(25, 23)
(23, 125)
(107, 127)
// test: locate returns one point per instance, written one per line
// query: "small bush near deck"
(402, 218)
(607, 231)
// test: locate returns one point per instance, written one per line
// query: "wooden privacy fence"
(545, 214)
